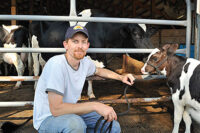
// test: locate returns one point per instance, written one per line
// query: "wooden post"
(31, 2)
(124, 61)
(13, 11)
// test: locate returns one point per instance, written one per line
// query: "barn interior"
(147, 9)
(151, 9)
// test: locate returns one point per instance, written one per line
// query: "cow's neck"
(174, 70)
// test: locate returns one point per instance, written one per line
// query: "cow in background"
(183, 79)
(116, 35)
(102, 35)
(15, 37)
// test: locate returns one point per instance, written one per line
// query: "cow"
(102, 35)
(15, 36)
(183, 79)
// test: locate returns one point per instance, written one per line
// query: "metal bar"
(72, 8)
(198, 28)
(35, 78)
(90, 50)
(92, 19)
(188, 28)
(72, 11)
(131, 100)
(19, 78)
(16, 104)
(149, 77)
(198, 34)
(198, 7)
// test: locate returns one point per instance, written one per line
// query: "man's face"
(77, 46)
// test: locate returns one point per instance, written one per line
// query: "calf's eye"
(155, 59)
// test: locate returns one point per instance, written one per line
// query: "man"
(60, 85)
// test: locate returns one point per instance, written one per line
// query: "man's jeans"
(71, 123)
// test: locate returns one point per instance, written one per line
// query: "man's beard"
(80, 55)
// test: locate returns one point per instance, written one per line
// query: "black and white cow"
(101, 35)
(12, 37)
(183, 77)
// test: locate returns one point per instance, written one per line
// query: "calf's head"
(158, 60)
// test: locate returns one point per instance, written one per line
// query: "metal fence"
(186, 23)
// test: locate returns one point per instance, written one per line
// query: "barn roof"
(156, 9)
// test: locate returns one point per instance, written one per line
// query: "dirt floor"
(142, 117)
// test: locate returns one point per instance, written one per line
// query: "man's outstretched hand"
(128, 79)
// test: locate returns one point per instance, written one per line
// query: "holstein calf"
(183, 77)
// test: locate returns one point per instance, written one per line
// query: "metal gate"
(186, 23)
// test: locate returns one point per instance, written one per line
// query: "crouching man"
(60, 85)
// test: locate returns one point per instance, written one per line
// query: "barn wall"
(164, 36)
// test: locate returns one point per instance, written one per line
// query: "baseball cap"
(74, 29)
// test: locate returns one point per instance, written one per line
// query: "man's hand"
(128, 79)
(106, 111)
(102, 72)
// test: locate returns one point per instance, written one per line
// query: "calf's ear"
(170, 48)
(166, 47)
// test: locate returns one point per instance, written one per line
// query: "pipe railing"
(131, 100)
(186, 23)
(90, 50)
(188, 28)
(93, 19)
(73, 17)
(35, 78)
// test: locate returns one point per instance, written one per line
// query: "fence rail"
(93, 19)
(186, 23)
(131, 100)
(90, 50)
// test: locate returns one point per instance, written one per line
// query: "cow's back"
(49, 35)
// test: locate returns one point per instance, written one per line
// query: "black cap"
(74, 29)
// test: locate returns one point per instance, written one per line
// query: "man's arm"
(128, 78)
(58, 107)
